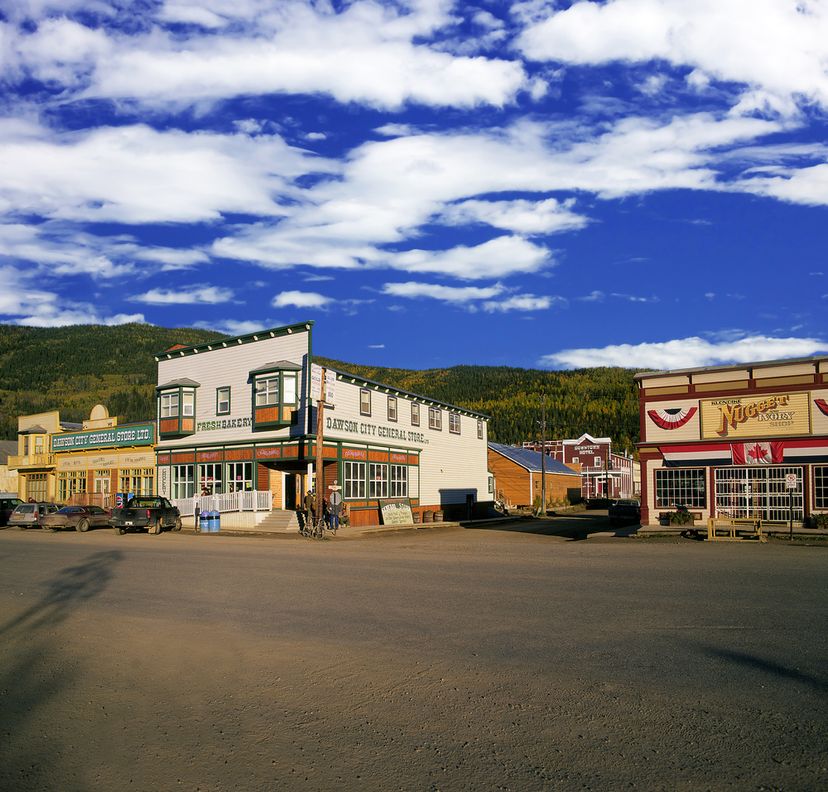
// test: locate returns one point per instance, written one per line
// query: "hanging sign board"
(316, 382)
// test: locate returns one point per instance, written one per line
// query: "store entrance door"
(293, 490)
(758, 492)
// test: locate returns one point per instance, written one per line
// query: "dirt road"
(450, 659)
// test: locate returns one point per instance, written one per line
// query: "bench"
(731, 529)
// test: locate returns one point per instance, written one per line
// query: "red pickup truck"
(146, 512)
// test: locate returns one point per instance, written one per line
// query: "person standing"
(310, 507)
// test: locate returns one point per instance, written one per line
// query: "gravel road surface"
(446, 659)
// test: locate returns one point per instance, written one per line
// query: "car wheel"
(83, 526)
(155, 528)
(177, 526)
(20, 527)
(119, 530)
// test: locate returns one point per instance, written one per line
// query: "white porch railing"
(247, 500)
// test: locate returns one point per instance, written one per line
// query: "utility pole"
(543, 455)
(320, 423)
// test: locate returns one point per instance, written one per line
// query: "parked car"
(30, 515)
(81, 518)
(7, 506)
(624, 510)
(148, 512)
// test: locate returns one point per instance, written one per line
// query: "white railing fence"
(248, 500)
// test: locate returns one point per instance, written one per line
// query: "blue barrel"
(206, 521)
(216, 521)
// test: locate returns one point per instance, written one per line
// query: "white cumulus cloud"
(300, 299)
(192, 295)
(779, 46)
(686, 353)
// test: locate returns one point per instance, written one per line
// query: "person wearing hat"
(310, 507)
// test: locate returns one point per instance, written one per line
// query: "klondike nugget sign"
(756, 416)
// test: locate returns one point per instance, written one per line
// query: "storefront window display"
(378, 481)
(183, 481)
(71, 483)
(139, 481)
(210, 479)
(399, 481)
(354, 479)
(239, 476)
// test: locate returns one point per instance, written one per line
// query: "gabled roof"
(589, 439)
(531, 460)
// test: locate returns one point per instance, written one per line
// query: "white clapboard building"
(238, 421)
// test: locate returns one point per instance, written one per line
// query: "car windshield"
(25, 508)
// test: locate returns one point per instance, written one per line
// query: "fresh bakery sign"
(777, 415)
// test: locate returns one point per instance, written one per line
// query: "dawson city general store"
(242, 414)
(736, 441)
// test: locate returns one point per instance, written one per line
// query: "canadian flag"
(757, 453)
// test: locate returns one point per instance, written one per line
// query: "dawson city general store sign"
(752, 416)
(134, 435)
(338, 425)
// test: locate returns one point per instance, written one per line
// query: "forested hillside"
(601, 401)
(73, 368)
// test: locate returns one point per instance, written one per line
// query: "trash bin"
(209, 522)
(216, 521)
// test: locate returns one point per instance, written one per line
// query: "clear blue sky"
(543, 184)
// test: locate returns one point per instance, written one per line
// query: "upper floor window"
(597, 462)
(223, 401)
(480, 430)
(415, 414)
(392, 408)
(177, 407)
(169, 405)
(454, 423)
(289, 388)
(188, 403)
(364, 401)
(267, 391)
(435, 418)
(275, 394)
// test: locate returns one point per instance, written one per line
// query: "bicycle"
(313, 529)
(318, 528)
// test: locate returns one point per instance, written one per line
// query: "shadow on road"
(71, 587)
(33, 670)
(768, 667)
(573, 527)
